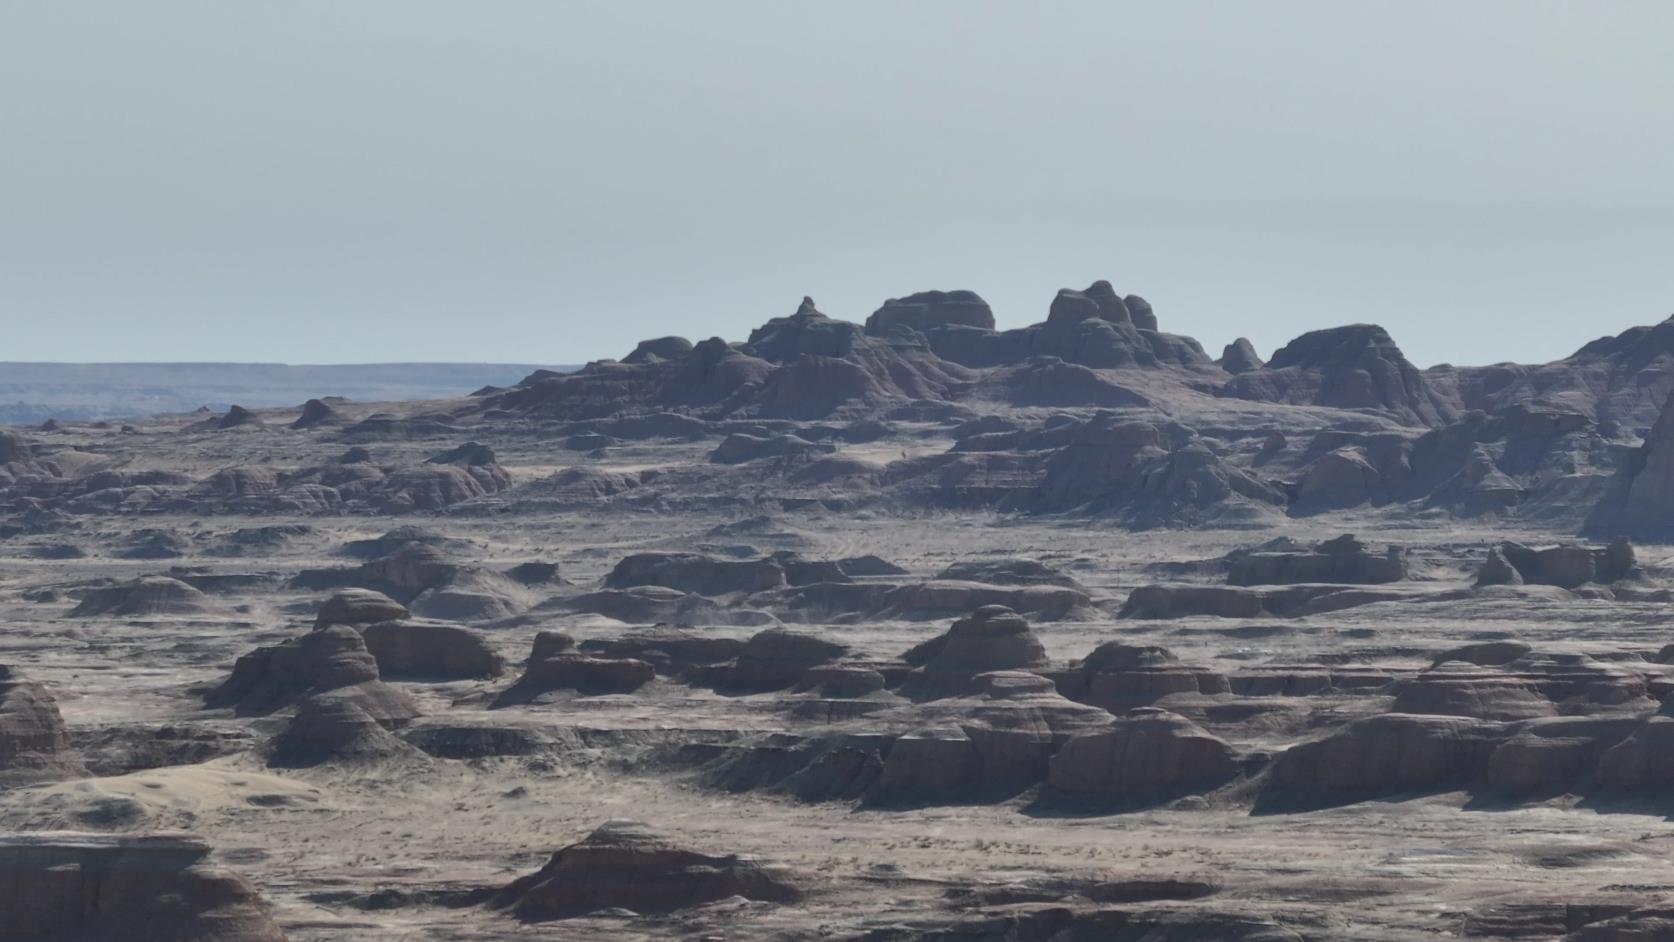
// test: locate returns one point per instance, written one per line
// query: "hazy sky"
(550, 181)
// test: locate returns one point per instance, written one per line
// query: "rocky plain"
(902, 629)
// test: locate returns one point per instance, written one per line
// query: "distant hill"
(35, 392)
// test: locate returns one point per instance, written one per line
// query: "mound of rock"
(568, 670)
(627, 865)
(60, 885)
(1352, 367)
(147, 595)
(739, 448)
(1120, 677)
(1386, 754)
(334, 729)
(414, 649)
(238, 417)
(696, 573)
(1009, 571)
(1341, 560)
(1640, 502)
(315, 413)
(930, 309)
(992, 638)
(778, 658)
(397, 539)
(994, 742)
(659, 349)
(359, 607)
(34, 745)
(334, 658)
(1566, 565)
(420, 576)
(672, 651)
(1240, 357)
(1148, 753)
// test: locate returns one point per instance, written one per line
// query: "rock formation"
(1354, 367)
(929, 309)
(337, 730)
(627, 865)
(115, 888)
(145, 596)
(1240, 357)
(331, 659)
(34, 744)
(359, 607)
(1640, 502)
(1344, 559)
(992, 638)
(1149, 753)
(416, 649)
(316, 413)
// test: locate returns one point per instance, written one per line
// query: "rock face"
(430, 650)
(359, 607)
(34, 745)
(1148, 753)
(1640, 503)
(1343, 560)
(147, 595)
(993, 638)
(928, 309)
(1354, 367)
(626, 865)
(325, 660)
(116, 888)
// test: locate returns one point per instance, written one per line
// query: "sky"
(553, 180)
